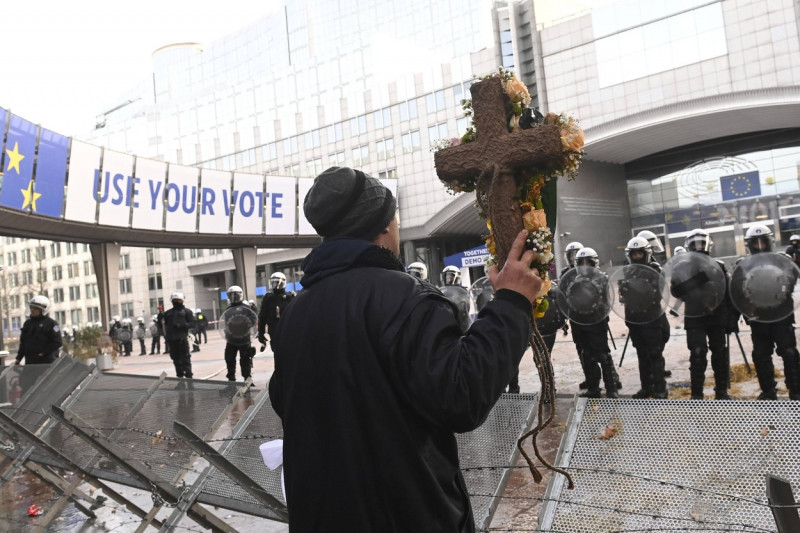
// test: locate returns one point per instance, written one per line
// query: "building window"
(314, 167)
(385, 149)
(75, 293)
(12, 279)
(336, 160)
(311, 139)
(41, 253)
(382, 118)
(361, 155)
(126, 310)
(290, 146)
(76, 316)
(16, 322)
(335, 132)
(91, 290)
(408, 110)
(195, 253)
(27, 277)
(437, 131)
(269, 152)
(153, 257)
(93, 314)
(125, 286)
(57, 273)
(125, 262)
(155, 302)
(410, 141)
(12, 258)
(58, 295)
(25, 256)
(435, 101)
(61, 318)
(72, 270)
(41, 275)
(55, 249)
(358, 125)
(88, 268)
(72, 248)
(154, 282)
(389, 174)
(176, 254)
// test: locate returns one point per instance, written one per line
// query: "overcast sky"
(64, 62)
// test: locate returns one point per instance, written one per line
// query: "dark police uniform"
(177, 322)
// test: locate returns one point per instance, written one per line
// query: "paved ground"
(512, 514)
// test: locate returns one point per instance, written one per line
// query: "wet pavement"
(518, 508)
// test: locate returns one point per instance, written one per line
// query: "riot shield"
(696, 284)
(239, 325)
(481, 292)
(583, 295)
(638, 293)
(123, 335)
(764, 288)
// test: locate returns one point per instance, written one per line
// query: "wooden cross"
(499, 152)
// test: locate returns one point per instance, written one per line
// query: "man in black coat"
(39, 341)
(373, 375)
(177, 323)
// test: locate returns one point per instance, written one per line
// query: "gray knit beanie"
(344, 202)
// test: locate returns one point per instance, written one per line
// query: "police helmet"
(154, 318)
(277, 280)
(570, 251)
(126, 322)
(98, 324)
(177, 295)
(140, 320)
(699, 240)
(652, 238)
(235, 294)
(759, 238)
(198, 311)
(451, 275)
(418, 270)
(115, 318)
(587, 257)
(75, 328)
(90, 324)
(795, 239)
(640, 245)
(40, 302)
(678, 250)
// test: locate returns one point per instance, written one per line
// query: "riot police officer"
(39, 340)
(177, 322)
(155, 333)
(238, 342)
(793, 250)
(768, 335)
(453, 291)
(140, 334)
(648, 338)
(124, 336)
(418, 270)
(272, 306)
(593, 343)
(712, 326)
(202, 325)
(569, 254)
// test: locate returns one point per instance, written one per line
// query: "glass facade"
(723, 196)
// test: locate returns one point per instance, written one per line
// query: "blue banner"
(20, 150)
(742, 185)
(468, 258)
(3, 117)
(51, 171)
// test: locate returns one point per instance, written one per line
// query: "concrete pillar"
(105, 258)
(244, 259)
(410, 251)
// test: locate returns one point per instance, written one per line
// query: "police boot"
(657, 375)
(721, 365)
(791, 369)
(610, 377)
(765, 371)
(697, 378)
(646, 379)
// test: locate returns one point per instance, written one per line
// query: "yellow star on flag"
(30, 197)
(14, 157)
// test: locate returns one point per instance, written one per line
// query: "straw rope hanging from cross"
(510, 159)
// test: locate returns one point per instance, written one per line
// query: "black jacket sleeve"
(262, 315)
(451, 380)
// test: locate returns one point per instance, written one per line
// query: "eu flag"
(742, 185)
(17, 192)
(51, 171)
